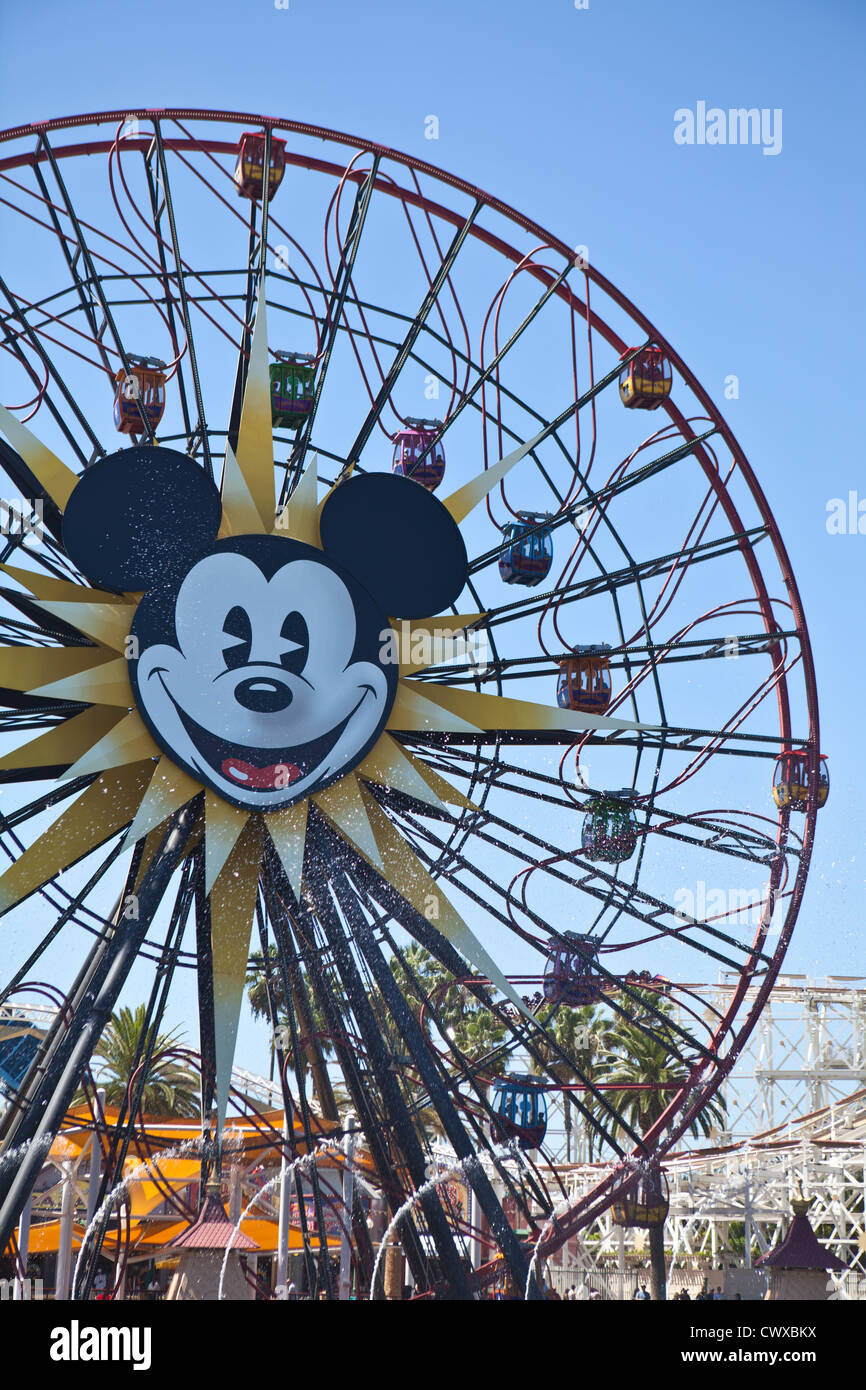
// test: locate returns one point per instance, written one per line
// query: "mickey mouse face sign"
(256, 660)
(259, 672)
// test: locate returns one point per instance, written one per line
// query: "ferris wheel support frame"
(424, 1058)
(46, 1105)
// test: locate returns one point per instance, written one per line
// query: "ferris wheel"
(376, 576)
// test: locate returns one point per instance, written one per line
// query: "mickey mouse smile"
(258, 769)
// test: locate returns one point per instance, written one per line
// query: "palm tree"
(576, 1032)
(642, 1072)
(469, 1025)
(264, 985)
(170, 1088)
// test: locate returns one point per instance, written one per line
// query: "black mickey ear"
(139, 515)
(398, 540)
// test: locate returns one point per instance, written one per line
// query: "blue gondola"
(527, 553)
(521, 1110)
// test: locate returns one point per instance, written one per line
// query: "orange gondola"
(584, 681)
(139, 395)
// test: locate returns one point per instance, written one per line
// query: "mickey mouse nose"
(263, 694)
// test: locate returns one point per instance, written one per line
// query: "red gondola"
(570, 975)
(411, 456)
(249, 170)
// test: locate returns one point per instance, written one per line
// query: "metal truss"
(729, 1206)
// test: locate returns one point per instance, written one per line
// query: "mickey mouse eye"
(237, 624)
(296, 636)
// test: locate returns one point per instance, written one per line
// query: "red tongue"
(248, 775)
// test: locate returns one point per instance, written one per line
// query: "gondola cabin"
(250, 167)
(645, 381)
(584, 681)
(293, 388)
(646, 1205)
(139, 395)
(791, 780)
(570, 974)
(418, 453)
(609, 834)
(521, 1110)
(527, 549)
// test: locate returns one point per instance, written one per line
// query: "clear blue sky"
(751, 265)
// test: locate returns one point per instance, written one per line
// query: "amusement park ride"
(205, 749)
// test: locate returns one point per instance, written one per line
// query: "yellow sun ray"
(288, 830)
(441, 786)
(101, 810)
(255, 451)
(240, 514)
(55, 477)
(389, 765)
(63, 744)
(344, 806)
(492, 712)
(405, 872)
(299, 519)
(102, 685)
(462, 502)
(128, 742)
(169, 789)
(424, 642)
(108, 623)
(412, 712)
(59, 590)
(27, 668)
(223, 827)
(232, 906)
